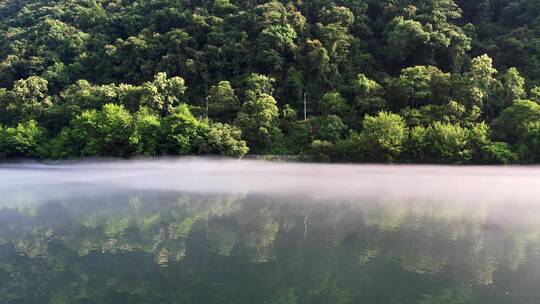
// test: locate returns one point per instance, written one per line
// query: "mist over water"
(203, 230)
(206, 175)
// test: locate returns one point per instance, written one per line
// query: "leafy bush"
(24, 140)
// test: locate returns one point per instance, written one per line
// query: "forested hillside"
(346, 80)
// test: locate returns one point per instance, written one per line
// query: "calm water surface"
(208, 231)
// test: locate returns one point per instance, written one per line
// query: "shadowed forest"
(438, 81)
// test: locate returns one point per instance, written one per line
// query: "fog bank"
(482, 183)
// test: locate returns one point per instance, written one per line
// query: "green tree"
(499, 153)
(509, 126)
(222, 102)
(222, 139)
(448, 143)
(337, 14)
(322, 150)
(23, 141)
(180, 132)
(28, 99)
(481, 80)
(384, 135)
(368, 95)
(452, 112)
(404, 38)
(535, 94)
(528, 145)
(420, 85)
(513, 86)
(107, 132)
(329, 128)
(163, 93)
(146, 136)
(416, 145)
(257, 84)
(258, 120)
(332, 103)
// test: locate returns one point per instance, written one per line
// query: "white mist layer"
(381, 182)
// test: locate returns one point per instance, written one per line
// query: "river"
(201, 230)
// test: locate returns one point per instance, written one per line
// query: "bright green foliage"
(257, 84)
(163, 94)
(416, 144)
(448, 143)
(481, 80)
(422, 85)
(180, 131)
(535, 94)
(258, 121)
(62, 146)
(83, 95)
(513, 86)
(146, 136)
(337, 14)
(383, 135)
(108, 132)
(452, 112)
(27, 100)
(24, 140)
(222, 139)
(484, 150)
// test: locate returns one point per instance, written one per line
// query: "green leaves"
(510, 124)
(163, 93)
(114, 132)
(23, 141)
(383, 135)
(258, 120)
(222, 102)
(448, 143)
(62, 62)
(108, 132)
(404, 38)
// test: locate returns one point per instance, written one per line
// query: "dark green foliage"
(499, 153)
(164, 77)
(529, 142)
(222, 102)
(509, 126)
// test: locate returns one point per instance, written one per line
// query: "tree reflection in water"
(174, 247)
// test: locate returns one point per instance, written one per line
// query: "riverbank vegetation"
(369, 80)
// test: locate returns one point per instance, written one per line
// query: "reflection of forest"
(171, 248)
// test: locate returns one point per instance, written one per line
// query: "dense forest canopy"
(363, 80)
